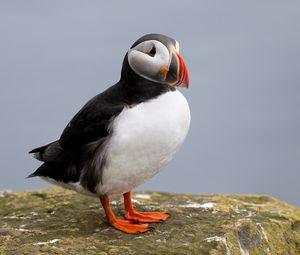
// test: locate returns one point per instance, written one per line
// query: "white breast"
(145, 138)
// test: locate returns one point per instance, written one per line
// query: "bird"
(125, 135)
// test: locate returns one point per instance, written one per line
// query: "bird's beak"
(177, 73)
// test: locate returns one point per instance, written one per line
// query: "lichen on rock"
(57, 221)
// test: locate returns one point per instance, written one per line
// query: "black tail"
(43, 170)
(46, 170)
(51, 153)
(58, 163)
(58, 171)
(31, 175)
(41, 148)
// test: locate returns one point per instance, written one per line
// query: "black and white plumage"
(129, 132)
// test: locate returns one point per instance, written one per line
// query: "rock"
(57, 221)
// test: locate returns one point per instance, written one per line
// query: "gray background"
(244, 63)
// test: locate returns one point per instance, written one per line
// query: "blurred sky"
(243, 59)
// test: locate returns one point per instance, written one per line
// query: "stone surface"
(56, 221)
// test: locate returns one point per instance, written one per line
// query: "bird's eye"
(152, 52)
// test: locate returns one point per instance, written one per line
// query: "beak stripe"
(183, 73)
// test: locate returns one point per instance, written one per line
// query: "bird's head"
(155, 57)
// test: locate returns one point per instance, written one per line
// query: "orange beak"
(183, 75)
(176, 74)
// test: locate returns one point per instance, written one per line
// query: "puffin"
(126, 134)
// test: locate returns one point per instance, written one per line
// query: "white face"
(147, 59)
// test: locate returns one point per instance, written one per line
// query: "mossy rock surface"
(57, 221)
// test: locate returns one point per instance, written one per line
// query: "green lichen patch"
(57, 221)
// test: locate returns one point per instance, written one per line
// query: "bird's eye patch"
(152, 52)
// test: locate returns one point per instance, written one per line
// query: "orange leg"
(126, 226)
(132, 214)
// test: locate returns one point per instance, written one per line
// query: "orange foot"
(129, 227)
(132, 214)
(146, 216)
(126, 226)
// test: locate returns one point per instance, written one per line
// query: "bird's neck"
(139, 88)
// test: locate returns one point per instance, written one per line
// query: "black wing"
(63, 159)
(92, 122)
